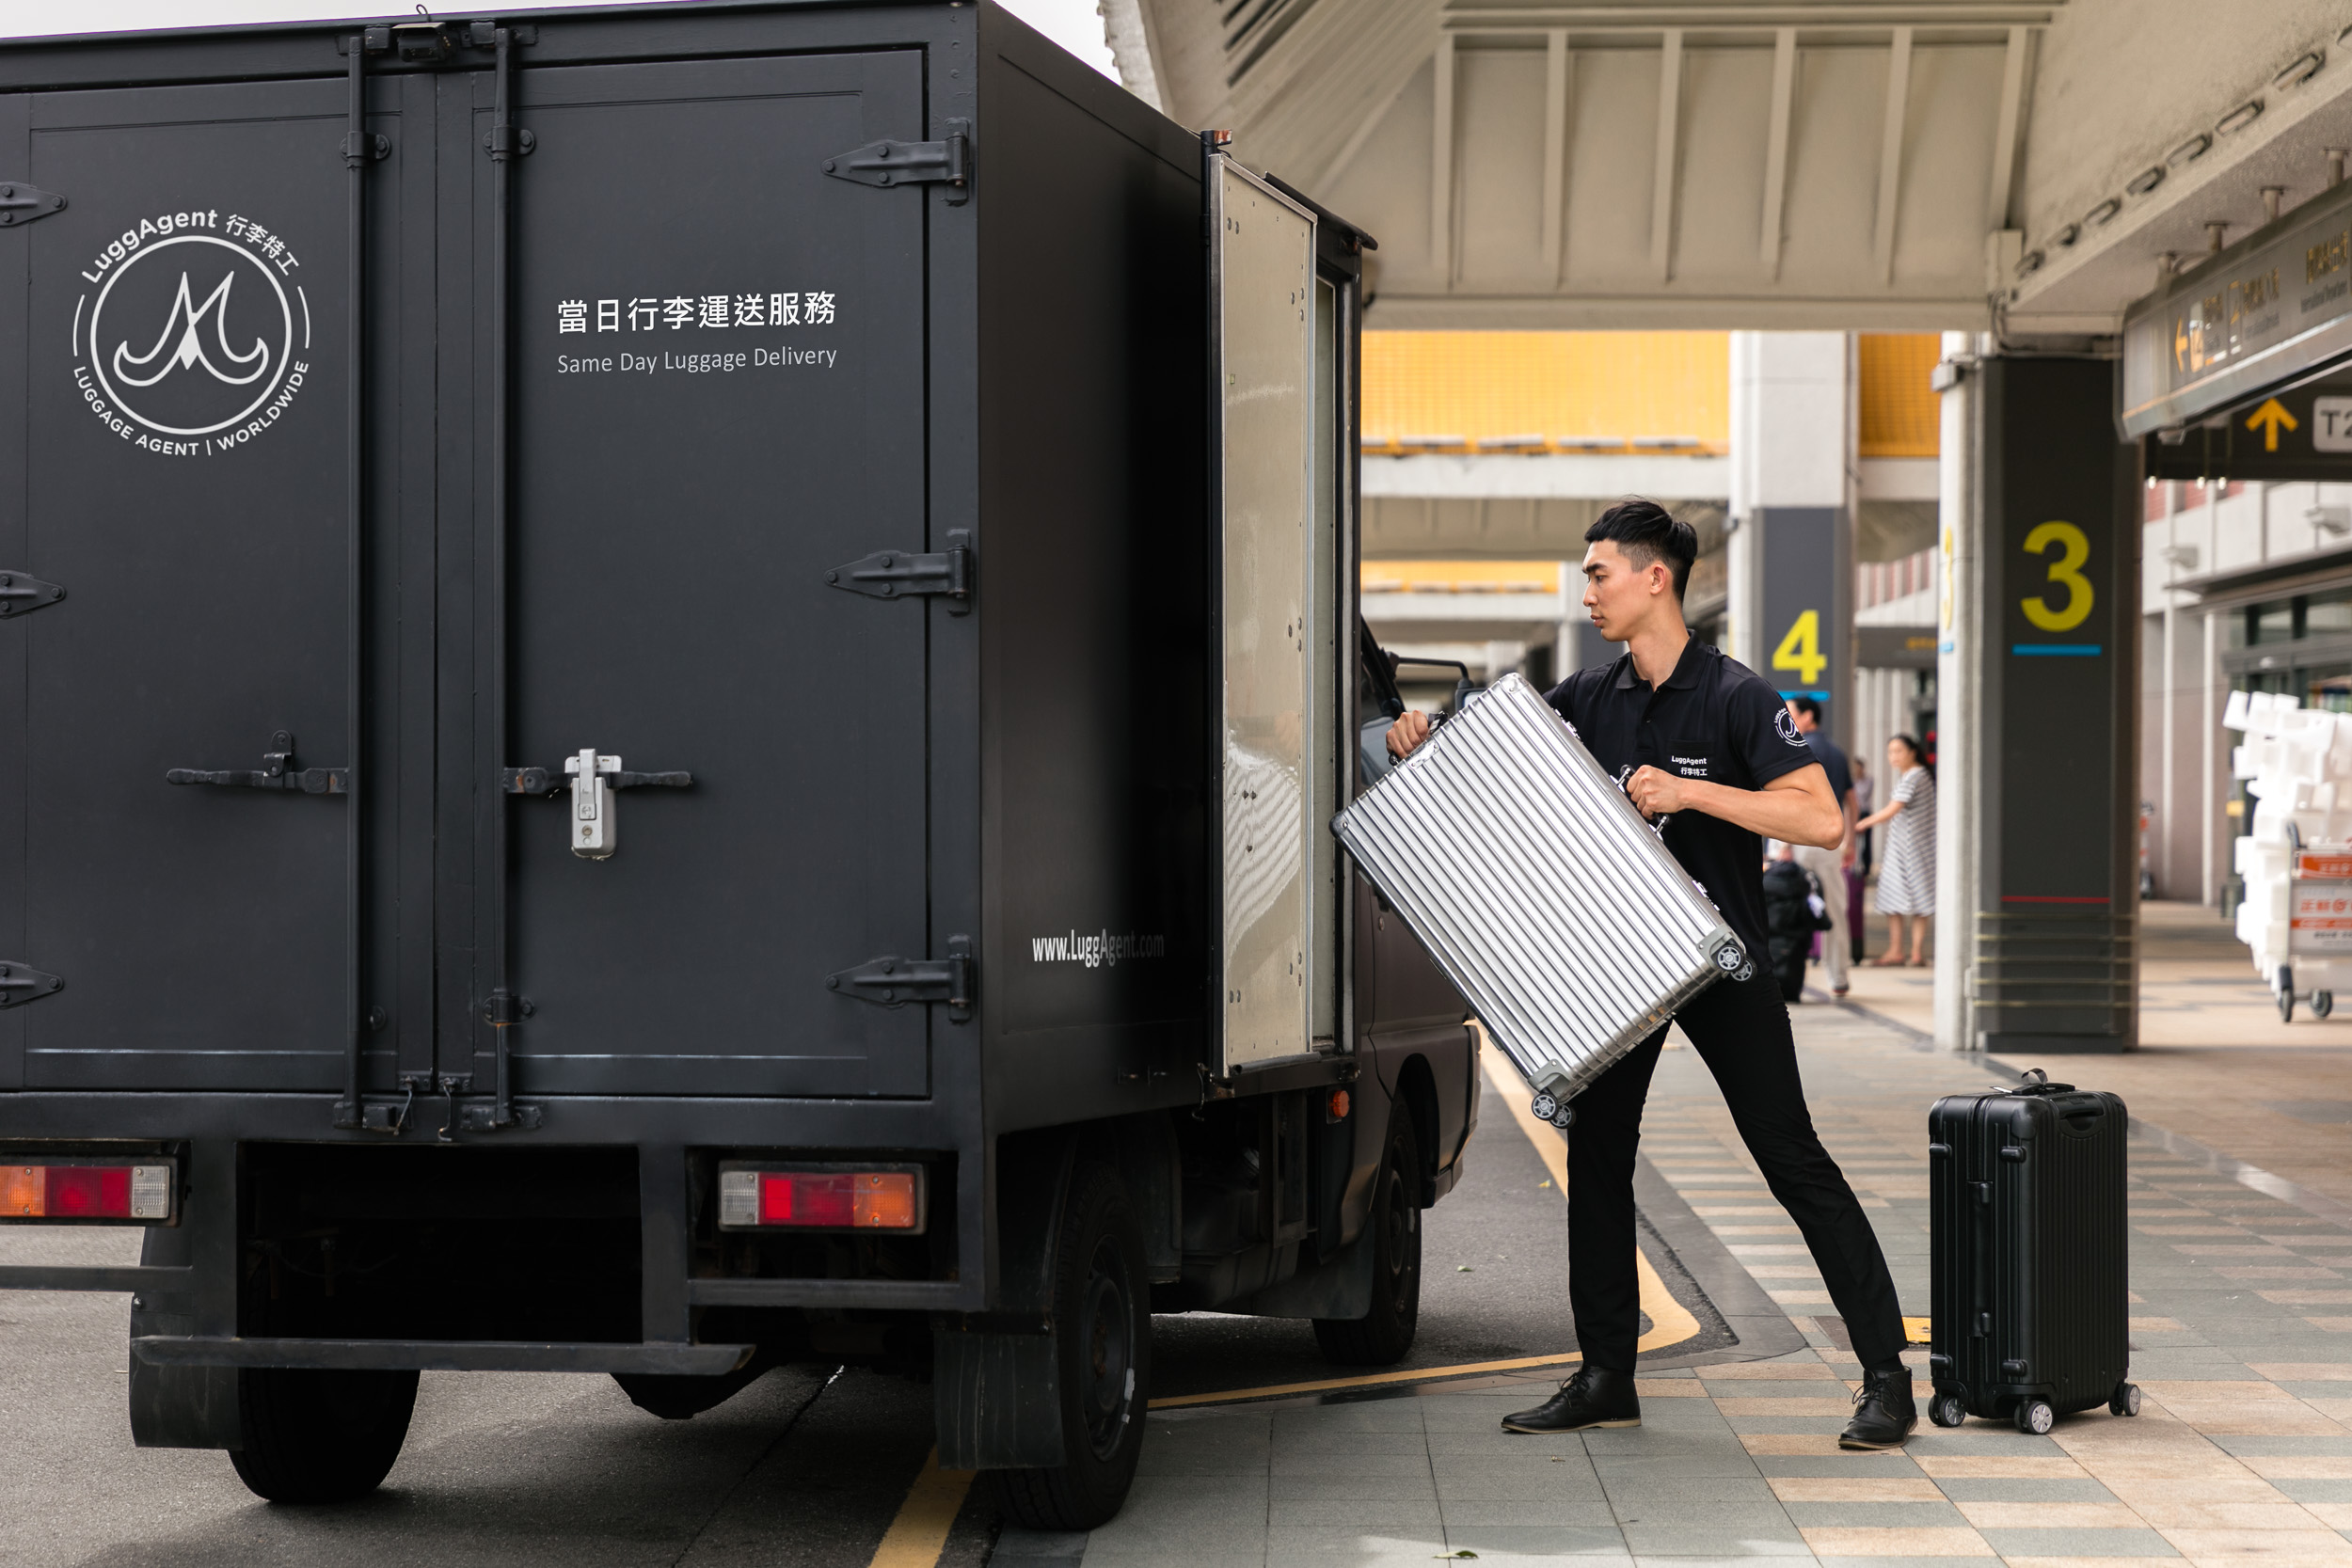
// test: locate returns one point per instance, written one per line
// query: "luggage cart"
(2319, 927)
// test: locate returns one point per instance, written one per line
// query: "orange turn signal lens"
(22, 1192)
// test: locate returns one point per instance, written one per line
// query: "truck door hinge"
(23, 982)
(898, 574)
(277, 771)
(24, 203)
(946, 162)
(21, 596)
(893, 982)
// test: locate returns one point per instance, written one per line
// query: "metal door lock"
(592, 828)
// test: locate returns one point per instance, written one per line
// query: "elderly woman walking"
(1907, 873)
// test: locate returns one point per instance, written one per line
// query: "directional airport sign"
(2273, 308)
(2296, 433)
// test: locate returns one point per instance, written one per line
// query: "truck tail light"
(83, 1190)
(826, 1197)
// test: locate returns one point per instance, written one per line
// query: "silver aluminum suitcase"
(1557, 911)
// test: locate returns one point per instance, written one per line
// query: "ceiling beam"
(1891, 156)
(1662, 211)
(1441, 165)
(1555, 150)
(1776, 148)
(2006, 130)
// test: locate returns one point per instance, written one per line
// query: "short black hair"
(1807, 707)
(1648, 532)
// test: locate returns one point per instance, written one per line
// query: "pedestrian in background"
(1858, 865)
(1794, 913)
(1829, 865)
(1907, 880)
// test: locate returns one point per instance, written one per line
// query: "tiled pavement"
(2243, 1341)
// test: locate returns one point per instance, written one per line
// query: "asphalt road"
(806, 1467)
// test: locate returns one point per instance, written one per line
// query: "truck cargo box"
(635, 610)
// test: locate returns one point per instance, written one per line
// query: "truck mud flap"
(440, 1356)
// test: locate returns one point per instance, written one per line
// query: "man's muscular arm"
(1798, 807)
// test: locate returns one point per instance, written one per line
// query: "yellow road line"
(1323, 1386)
(919, 1533)
(1671, 1322)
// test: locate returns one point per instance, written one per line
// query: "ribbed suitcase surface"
(1534, 884)
(2029, 1273)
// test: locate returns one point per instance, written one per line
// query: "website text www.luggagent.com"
(1094, 950)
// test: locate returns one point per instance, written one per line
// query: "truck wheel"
(319, 1436)
(1383, 1334)
(1103, 1349)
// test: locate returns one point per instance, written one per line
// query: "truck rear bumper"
(440, 1356)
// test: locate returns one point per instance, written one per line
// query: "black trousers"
(1742, 1031)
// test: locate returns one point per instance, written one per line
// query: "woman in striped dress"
(1907, 875)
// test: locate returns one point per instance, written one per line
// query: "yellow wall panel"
(1632, 388)
(1900, 413)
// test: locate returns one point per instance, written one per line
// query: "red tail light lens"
(836, 1197)
(86, 1192)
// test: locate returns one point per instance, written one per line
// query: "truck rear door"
(1278, 745)
(180, 591)
(718, 403)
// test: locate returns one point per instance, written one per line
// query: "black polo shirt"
(1714, 719)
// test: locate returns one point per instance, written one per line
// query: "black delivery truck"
(671, 681)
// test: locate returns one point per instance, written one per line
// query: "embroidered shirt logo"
(1690, 767)
(1788, 728)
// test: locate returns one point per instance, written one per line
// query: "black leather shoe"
(1882, 1412)
(1594, 1397)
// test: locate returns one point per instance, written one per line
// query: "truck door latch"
(899, 573)
(23, 982)
(278, 772)
(947, 162)
(595, 832)
(21, 596)
(890, 981)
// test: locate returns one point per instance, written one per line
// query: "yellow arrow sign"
(2267, 418)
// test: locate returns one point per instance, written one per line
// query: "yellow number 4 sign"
(1801, 649)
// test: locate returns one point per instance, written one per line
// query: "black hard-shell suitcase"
(2031, 1254)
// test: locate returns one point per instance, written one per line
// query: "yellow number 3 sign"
(2067, 571)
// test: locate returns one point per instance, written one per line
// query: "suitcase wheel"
(2285, 989)
(2035, 1416)
(2323, 1003)
(2125, 1400)
(1945, 1410)
(1747, 971)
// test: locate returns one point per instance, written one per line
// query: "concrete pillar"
(2038, 664)
(1790, 558)
(1958, 708)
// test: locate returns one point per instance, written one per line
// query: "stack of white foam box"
(2296, 763)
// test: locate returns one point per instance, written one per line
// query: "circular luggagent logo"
(191, 337)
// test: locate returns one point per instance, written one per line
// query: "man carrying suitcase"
(1705, 744)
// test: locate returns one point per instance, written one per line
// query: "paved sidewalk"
(2242, 1334)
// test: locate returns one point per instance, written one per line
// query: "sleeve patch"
(1786, 726)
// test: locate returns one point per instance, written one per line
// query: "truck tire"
(1102, 1350)
(1383, 1334)
(319, 1436)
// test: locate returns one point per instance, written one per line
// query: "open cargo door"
(180, 593)
(1275, 714)
(719, 433)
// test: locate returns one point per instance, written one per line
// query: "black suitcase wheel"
(2035, 1416)
(2125, 1400)
(1945, 1410)
(2286, 994)
(2323, 1003)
